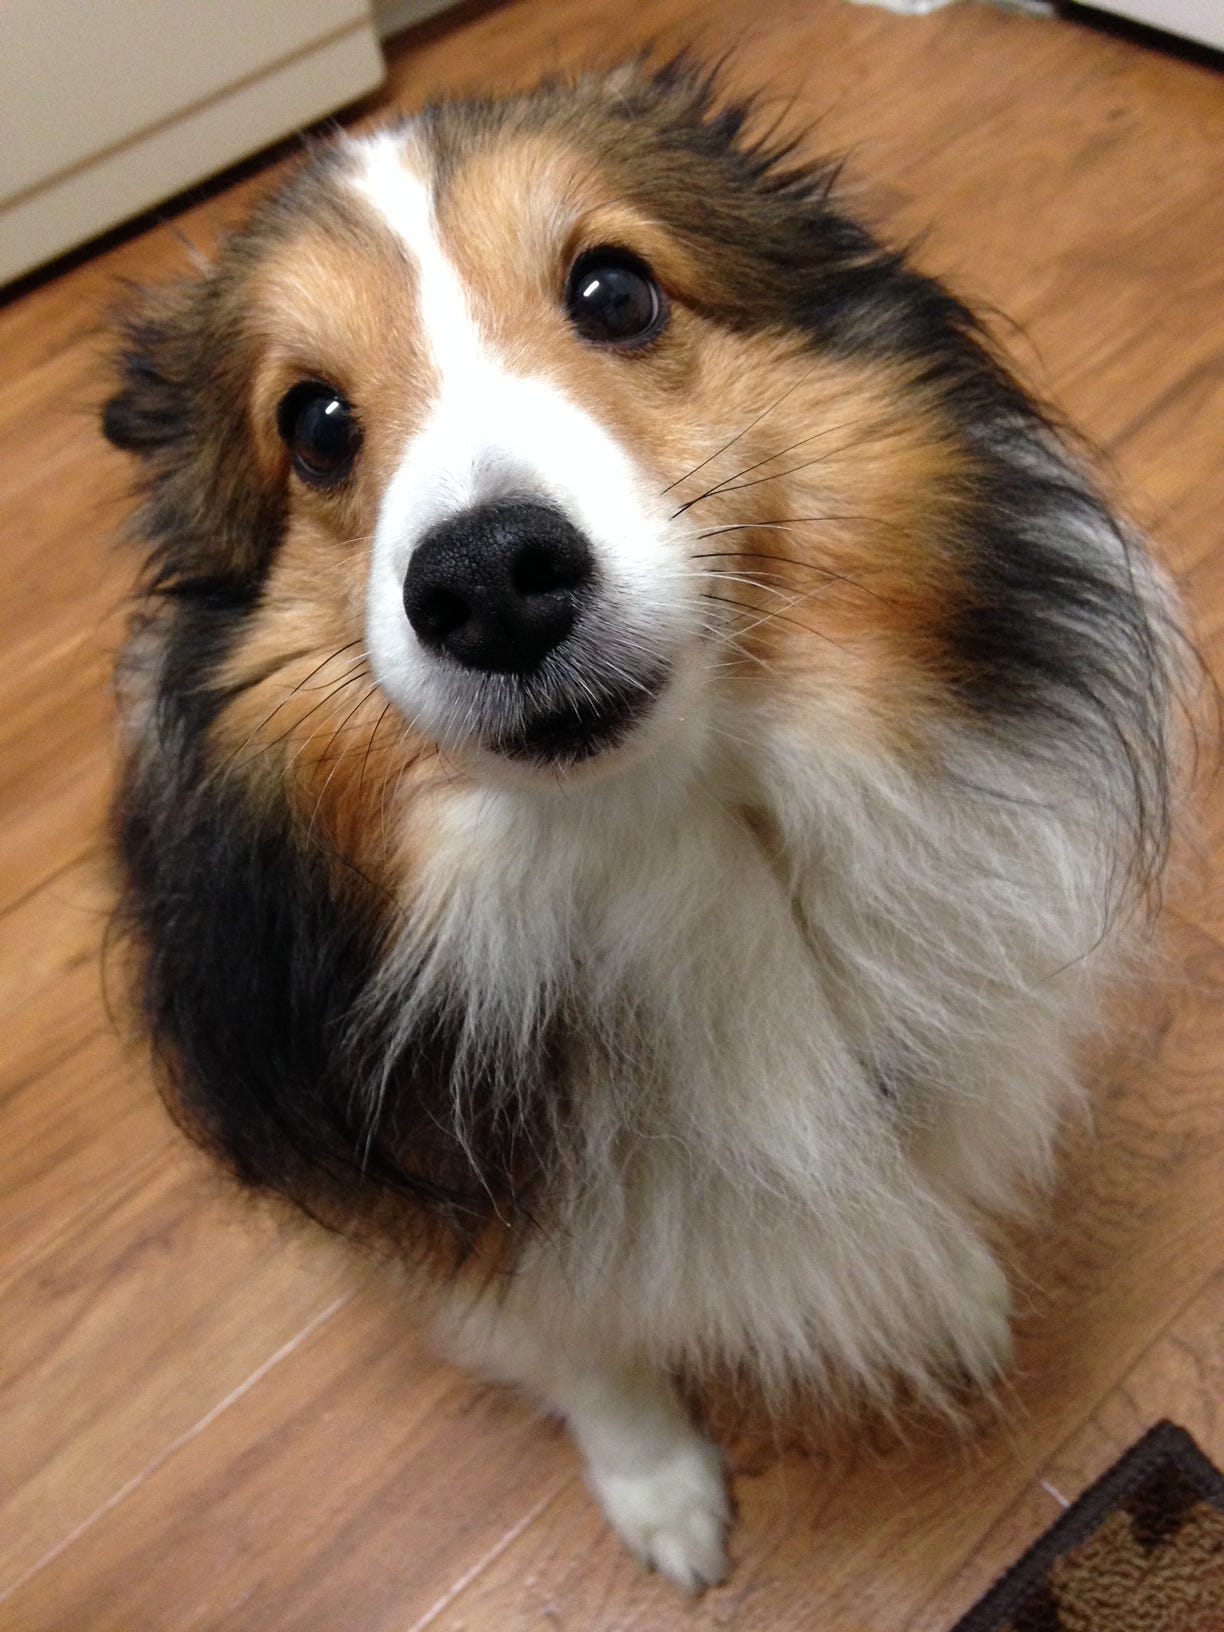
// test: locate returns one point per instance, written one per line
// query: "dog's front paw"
(672, 1512)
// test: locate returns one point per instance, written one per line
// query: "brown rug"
(1141, 1551)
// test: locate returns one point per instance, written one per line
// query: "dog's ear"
(209, 516)
(158, 360)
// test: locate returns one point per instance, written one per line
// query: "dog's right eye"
(614, 299)
(321, 432)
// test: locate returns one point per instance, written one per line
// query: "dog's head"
(557, 425)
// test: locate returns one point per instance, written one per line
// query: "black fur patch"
(181, 407)
(259, 952)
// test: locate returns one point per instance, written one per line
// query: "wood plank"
(52, 931)
(57, 801)
(121, 1337)
(1182, 1374)
(77, 1105)
(348, 1488)
(80, 1118)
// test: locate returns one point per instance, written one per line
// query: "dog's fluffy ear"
(158, 365)
(181, 408)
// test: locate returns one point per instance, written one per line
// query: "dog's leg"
(985, 1337)
(660, 1483)
(968, 1286)
(662, 1486)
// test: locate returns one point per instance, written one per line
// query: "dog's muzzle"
(509, 591)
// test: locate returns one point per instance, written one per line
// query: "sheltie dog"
(643, 746)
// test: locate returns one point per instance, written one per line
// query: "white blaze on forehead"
(401, 191)
(487, 427)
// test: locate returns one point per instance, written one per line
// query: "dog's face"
(545, 435)
(525, 595)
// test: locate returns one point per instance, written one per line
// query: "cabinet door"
(108, 106)
(1196, 19)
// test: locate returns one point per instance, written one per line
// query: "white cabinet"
(1201, 20)
(109, 106)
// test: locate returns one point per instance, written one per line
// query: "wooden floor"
(207, 1421)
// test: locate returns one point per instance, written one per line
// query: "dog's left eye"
(321, 432)
(613, 299)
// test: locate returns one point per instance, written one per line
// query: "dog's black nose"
(499, 586)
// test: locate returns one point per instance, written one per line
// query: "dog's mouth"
(580, 728)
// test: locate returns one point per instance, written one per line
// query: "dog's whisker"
(358, 664)
(285, 701)
(734, 485)
(724, 484)
(295, 727)
(715, 628)
(790, 595)
(239, 688)
(816, 436)
(731, 443)
(784, 524)
(365, 758)
(340, 757)
(774, 615)
(853, 581)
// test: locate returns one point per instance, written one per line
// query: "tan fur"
(308, 721)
